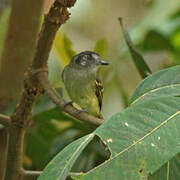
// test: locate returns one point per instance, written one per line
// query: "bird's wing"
(99, 91)
(62, 75)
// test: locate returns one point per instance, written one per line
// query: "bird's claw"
(67, 103)
(81, 110)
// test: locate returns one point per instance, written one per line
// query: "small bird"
(82, 84)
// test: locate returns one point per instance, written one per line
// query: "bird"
(82, 83)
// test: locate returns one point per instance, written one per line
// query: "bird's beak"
(102, 62)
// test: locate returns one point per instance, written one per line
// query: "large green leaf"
(141, 139)
(169, 171)
(163, 83)
(59, 167)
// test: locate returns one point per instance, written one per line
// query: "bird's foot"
(82, 110)
(67, 103)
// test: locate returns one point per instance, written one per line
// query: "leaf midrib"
(128, 148)
(62, 172)
(153, 90)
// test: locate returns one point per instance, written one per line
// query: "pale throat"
(87, 74)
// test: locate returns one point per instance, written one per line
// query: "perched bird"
(82, 84)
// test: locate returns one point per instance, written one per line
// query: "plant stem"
(3, 151)
(15, 152)
(20, 119)
(5, 120)
(19, 47)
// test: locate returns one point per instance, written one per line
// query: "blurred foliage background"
(154, 27)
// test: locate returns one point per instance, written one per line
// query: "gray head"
(88, 59)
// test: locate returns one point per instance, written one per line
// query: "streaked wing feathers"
(99, 91)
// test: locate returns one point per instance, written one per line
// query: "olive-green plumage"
(82, 84)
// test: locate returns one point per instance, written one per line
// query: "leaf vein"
(134, 143)
(153, 90)
(76, 152)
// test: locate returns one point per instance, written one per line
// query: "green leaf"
(169, 171)
(154, 19)
(48, 125)
(51, 125)
(160, 38)
(59, 167)
(4, 19)
(163, 38)
(54, 71)
(63, 48)
(101, 47)
(163, 83)
(141, 139)
(161, 23)
(156, 41)
(59, 57)
(138, 59)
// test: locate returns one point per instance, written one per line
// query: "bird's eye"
(76, 59)
(85, 57)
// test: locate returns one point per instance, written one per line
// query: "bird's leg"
(82, 110)
(67, 103)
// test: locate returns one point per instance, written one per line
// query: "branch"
(5, 120)
(42, 76)
(18, 52)
(3, 151)
(18, 48)
(57, 15)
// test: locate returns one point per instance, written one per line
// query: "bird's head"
(88, 59)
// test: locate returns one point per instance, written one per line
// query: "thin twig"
(33, 175)
(5, 120)
(57, 16)
(42, 76)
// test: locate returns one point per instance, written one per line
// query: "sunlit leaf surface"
(141, 139)
(163, 83)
